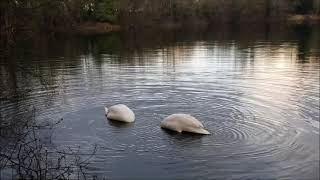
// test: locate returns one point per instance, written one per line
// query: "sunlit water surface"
(258, 98)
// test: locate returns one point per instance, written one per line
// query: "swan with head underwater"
(183, 123)
(120, 112)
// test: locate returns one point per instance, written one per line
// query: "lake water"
(256, 89)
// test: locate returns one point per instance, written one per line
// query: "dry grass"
(304, 19)
(96, 28)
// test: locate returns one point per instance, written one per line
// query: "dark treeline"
(216, 10)
(33, 15)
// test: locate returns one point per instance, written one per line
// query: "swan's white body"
(120, 112)
(183, 122)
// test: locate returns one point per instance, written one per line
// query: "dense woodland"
(57, 15)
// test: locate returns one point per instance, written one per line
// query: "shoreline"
(92, 27)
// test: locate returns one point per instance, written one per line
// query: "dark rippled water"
(256, 92)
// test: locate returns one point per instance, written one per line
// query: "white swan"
(183, 122)
(120, 112)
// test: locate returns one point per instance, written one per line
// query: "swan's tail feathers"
(106, 110)
(202, 131)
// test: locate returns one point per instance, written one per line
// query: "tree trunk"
(268, 9)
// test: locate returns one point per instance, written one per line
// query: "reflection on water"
(256, 91)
